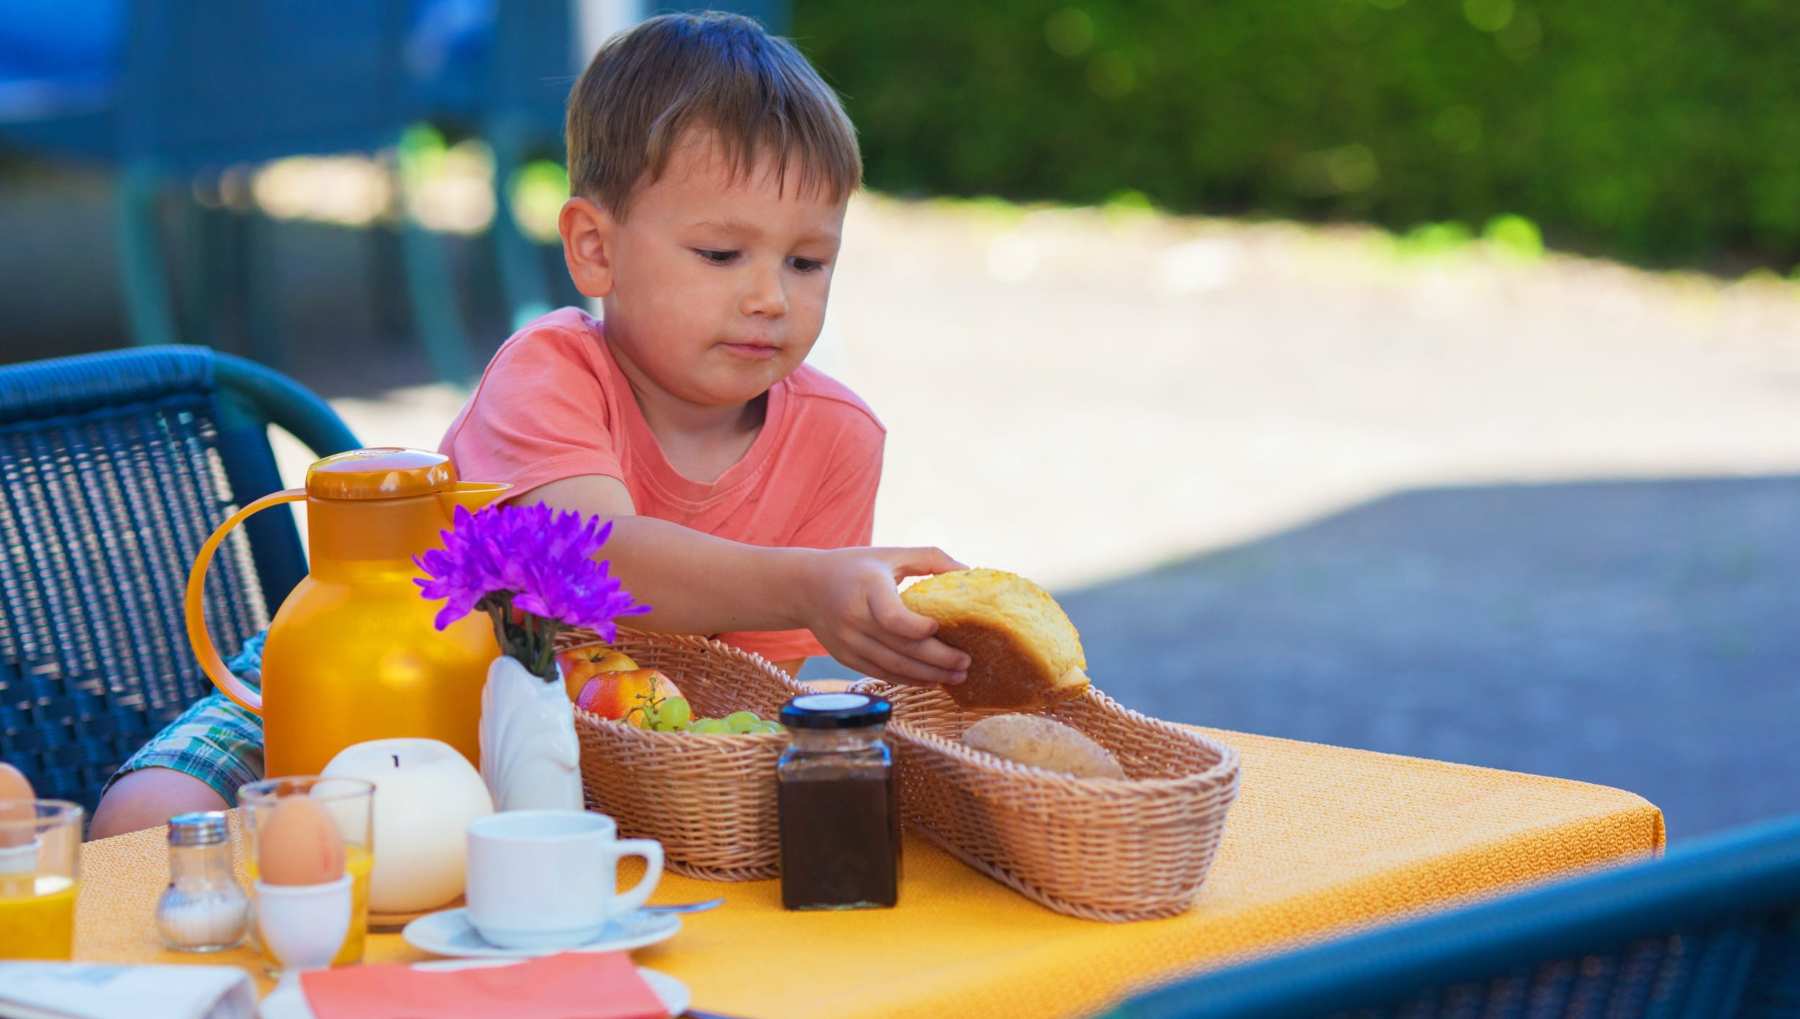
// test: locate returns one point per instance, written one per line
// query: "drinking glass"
(350, 801)
(40, 850)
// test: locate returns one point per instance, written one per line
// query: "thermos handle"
(228, 684)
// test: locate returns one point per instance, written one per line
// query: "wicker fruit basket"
(1103, 849)
(710, 800)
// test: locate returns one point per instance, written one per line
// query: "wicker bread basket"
(1103, 849)
(710, 800)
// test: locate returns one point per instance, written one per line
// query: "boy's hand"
(851, 602)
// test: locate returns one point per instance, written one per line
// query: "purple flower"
(530, 558)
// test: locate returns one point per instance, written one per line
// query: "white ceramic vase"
(530, 758)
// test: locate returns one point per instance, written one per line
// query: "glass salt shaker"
(839, 816)
(203, 909)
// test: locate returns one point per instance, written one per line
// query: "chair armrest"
(286, 404)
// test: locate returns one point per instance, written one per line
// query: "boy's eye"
(807, 264)
(716, 257)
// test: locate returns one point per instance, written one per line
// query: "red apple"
(583, 663)
(622, 696)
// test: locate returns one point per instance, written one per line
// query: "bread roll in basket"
(1107, 848)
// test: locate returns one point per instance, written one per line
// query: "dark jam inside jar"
(840, 842)
(839, 815)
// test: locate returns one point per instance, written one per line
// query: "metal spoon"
(687, 907)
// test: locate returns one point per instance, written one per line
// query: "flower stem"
(531, 640)
(497, 609)
(536, 644)
(547, 657)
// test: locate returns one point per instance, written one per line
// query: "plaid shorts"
(215, 741)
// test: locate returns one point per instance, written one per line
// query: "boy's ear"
(587, 236)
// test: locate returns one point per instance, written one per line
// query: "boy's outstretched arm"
(698, 583)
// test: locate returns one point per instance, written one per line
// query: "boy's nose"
(765, 296)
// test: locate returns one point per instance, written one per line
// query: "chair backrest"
(114, 468)
(222, 81)
(182, 85)
(1712, 930)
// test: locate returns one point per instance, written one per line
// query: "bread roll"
(1043, 743)
(1024, 653)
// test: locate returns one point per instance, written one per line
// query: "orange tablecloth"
(1321, 839)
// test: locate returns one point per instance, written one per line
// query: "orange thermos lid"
(380, 473)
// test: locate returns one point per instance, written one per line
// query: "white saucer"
(286, 1001)
(448, 933)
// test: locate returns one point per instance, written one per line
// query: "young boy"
(710, 169)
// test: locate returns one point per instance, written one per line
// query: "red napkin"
(573, 985)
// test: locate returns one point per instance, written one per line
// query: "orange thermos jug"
(352, 654)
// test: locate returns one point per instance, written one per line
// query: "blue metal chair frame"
(1711, 930)
(202, 85)
(114, 468)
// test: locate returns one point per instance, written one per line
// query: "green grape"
(767, 726)
(741, 721)
(652, 714)
(709, 725)
(673, 715)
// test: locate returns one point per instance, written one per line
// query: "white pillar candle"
(426, 793)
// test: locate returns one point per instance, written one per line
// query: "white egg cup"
(303, 926)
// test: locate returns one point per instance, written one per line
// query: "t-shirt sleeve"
(841, 516)
(539, 415)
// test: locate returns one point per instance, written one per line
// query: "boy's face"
(715, 285)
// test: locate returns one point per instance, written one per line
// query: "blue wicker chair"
(1711, 930)
(114, 468)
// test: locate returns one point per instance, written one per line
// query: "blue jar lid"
(835, 711)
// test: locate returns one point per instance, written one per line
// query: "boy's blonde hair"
(648, 86)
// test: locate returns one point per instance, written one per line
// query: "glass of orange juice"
(350, 801)
(40, 849)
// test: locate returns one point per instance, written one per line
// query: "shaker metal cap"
(201, 828)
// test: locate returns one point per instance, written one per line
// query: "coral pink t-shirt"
(553, 404)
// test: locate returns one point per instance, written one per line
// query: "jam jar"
(839, 817)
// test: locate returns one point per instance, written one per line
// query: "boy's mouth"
(757, 349)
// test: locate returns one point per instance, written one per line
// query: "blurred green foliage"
(1661, 132)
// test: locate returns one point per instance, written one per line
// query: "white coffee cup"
(548, 878)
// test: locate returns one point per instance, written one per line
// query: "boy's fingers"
(875, 660)
(894, 666)
(951, 663)
(935, 653)
(892, 615)
(920, 561)
(951, 658)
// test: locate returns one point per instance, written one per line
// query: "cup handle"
(651, 851)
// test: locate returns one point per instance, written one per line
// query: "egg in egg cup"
(302, 890)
